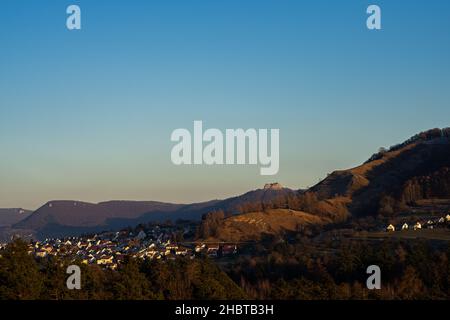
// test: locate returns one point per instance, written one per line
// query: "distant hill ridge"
(10, 216)
(69, 217)
(390, 181)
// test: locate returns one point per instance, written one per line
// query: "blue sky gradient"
(88, 114)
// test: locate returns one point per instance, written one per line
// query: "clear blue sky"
(87, 114)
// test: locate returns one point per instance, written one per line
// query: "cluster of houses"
(430, 224)
(110, 249)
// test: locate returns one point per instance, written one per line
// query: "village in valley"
(169, 241)
(109, 249)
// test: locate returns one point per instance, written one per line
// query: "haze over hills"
(11, 216)
(84, 214)
(391, 181)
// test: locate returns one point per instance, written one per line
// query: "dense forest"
(272, 269)
(409, 270)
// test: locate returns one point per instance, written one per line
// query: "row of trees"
(433, 186)
(423, 136)
(436, 185)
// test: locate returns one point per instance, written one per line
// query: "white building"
(390, 228)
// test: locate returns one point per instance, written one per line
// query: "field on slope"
(251, 226)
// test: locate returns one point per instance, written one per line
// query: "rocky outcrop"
(273, 186)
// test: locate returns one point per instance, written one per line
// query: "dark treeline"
(415, 270)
